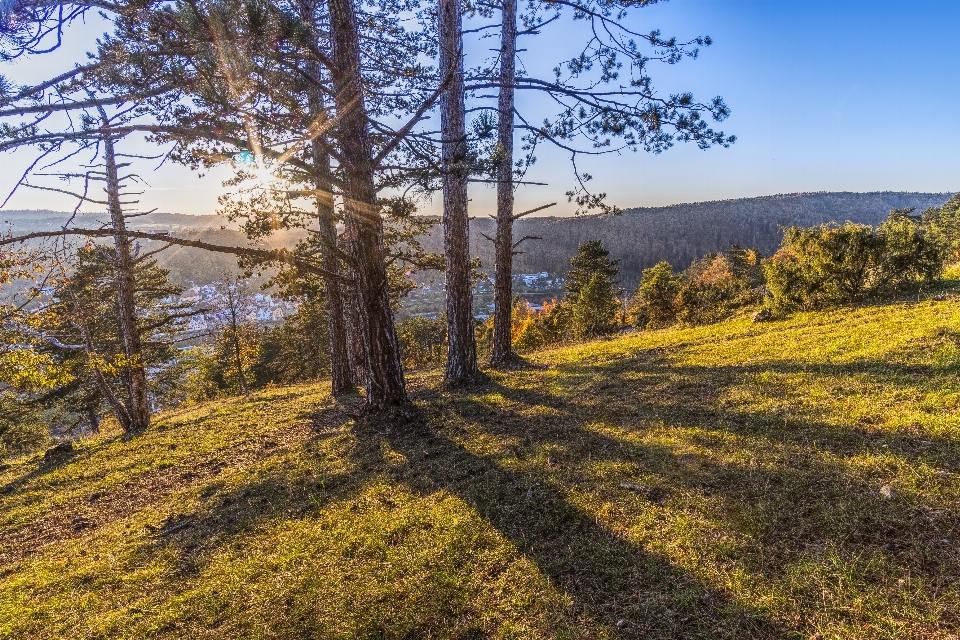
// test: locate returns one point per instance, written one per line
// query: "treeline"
(814, 267)
(639, 238)
(680, 234)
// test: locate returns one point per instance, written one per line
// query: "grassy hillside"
(792, 479)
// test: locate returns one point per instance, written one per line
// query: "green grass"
(499, 511)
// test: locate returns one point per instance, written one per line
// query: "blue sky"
(842, 95)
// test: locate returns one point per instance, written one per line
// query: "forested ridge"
(681, 233)
(639, 237)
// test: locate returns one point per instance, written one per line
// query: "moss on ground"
(740, 480)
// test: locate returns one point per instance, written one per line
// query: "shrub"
(713, 288)
(21, 429)
(538, 328)
(708, 291)
(943, 225)
(655, 303)
(422, 341)
(833, 264)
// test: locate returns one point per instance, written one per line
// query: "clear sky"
(827, 95)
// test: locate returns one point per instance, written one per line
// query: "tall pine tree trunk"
(385, 384)
(138, 404)
(355, 350)
(461, 338)
(340, 379)
(503, 271)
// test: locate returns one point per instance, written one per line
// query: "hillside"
(792, 479)
(639, 238)
(681, 233)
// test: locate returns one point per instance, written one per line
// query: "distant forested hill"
(639, 238)
(681, 233)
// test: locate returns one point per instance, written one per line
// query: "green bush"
(21, 429)
(423, 341)
(655, 303)
(708, 291)
(832, 264)
(713, 288)
(943, 224)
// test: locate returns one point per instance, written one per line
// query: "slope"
(681, 233)
(779, 480)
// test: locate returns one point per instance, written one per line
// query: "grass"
(791, 479)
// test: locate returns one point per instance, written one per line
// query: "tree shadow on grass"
(612, 582)
(785, 484)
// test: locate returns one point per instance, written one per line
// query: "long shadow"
(791, 509)
(611, 581)
(693, 394)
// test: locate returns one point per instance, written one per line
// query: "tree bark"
(138, 404)
(341, 380)
(355, 349)
(233, 299)
(503, 245)
(461, 337)
(385, 384)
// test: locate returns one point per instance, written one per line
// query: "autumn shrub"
(710, 290)
(716, 286)
(831, 264)
(543, 327)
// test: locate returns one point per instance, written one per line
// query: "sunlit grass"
(740, 480)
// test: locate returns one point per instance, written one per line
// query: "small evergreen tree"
(76, 332)
(592, 291)
(595, 311)
(655, 303)
(591, 259)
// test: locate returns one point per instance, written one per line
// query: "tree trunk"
(234, 302)
(119, 409)
(340, 379)
(355, 350)
(385, 384)
(461, 337)
(138, 405)
(503, 271)
(238, 362)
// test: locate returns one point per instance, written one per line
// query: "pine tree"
(592, 291)
(79, 331)
(591, 259)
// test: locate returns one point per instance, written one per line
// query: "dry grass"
(780, 480)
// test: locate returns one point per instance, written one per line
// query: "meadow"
(798, 478)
